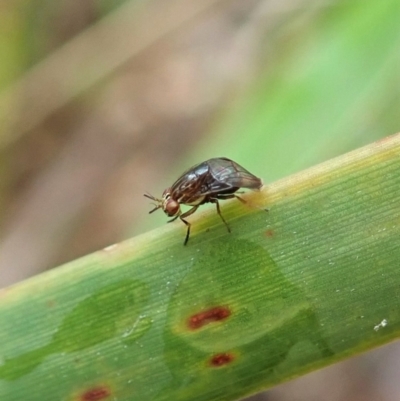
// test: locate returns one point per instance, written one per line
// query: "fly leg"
(230, 196)
(182, 217)
(214, 200)
(246, 203)
(239, 198)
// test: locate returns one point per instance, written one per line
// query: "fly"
(208, 182)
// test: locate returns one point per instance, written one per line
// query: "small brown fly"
(210, 181)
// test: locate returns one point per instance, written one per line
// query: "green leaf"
(314, 280)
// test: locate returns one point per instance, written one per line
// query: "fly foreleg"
(182, 217)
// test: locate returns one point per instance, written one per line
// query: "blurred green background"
(101, 101)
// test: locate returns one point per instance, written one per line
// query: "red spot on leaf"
(208, 316)
(221, 359)
(96, 394)
(269, 233)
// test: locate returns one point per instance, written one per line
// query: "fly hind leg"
(230, 196)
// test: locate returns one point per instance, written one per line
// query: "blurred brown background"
(101, 101)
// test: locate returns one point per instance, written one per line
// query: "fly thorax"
(195, 202)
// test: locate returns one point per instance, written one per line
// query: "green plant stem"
(314, 280)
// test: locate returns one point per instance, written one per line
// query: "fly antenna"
(147, 195)
(157, 205)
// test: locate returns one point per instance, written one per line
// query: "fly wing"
(228, 174)
(191, 184)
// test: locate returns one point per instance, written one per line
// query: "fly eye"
(171, 207)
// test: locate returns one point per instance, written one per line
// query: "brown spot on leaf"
(95, 394)
(208, 316)
(269, 233)
(221, 359)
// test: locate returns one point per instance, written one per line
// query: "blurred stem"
(89, 58)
